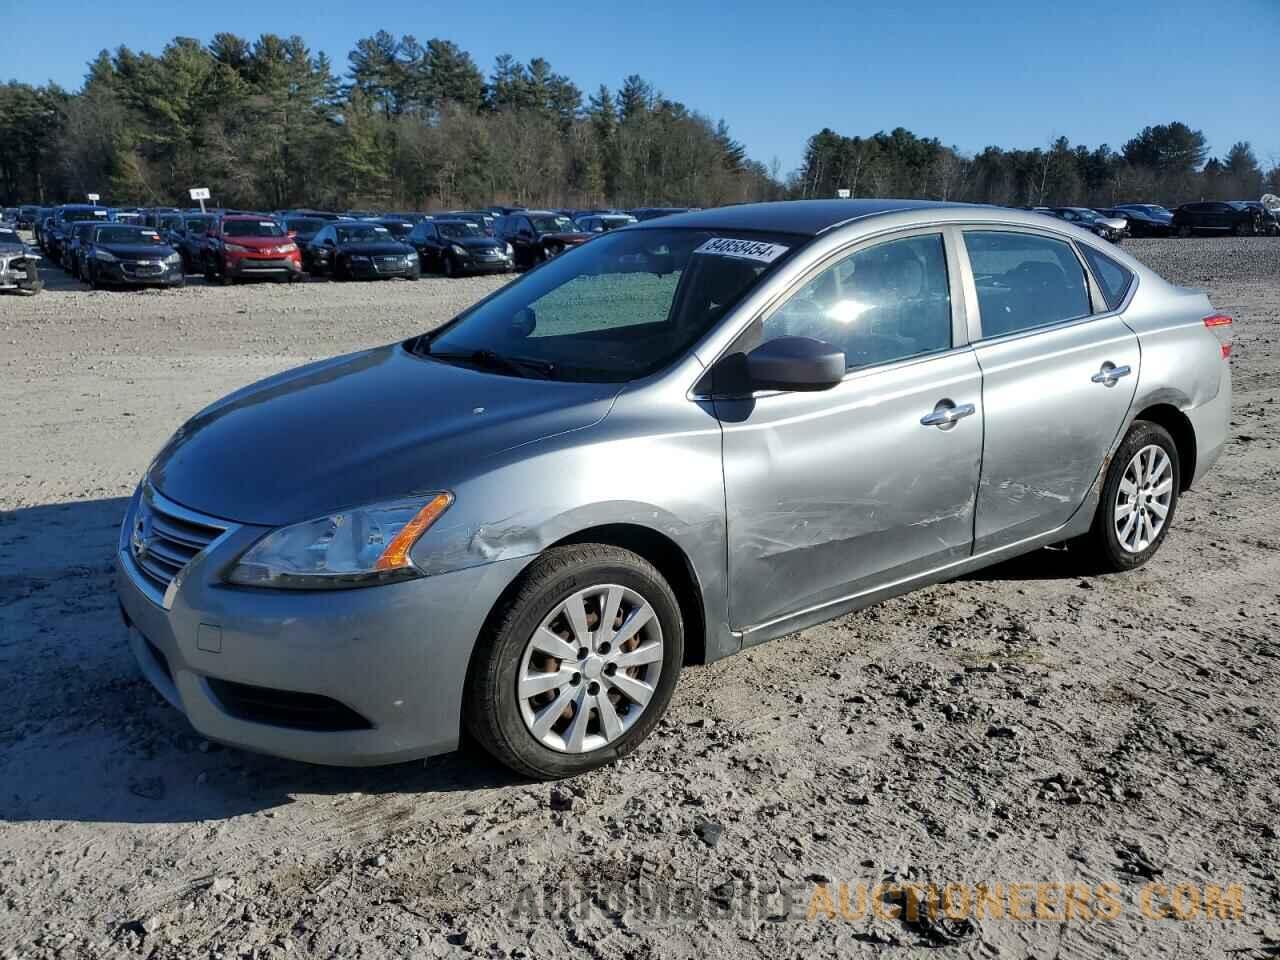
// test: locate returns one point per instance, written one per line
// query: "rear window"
(1113, 278)
(1025, 281)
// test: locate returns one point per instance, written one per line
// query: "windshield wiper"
(494, 361)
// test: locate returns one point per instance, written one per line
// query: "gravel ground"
(1025, 725)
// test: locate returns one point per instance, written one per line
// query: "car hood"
(1113, 223)
(258, 243)
(386, 248)
(569, 236)
(358, 429)
(137, 251)
(478, 243)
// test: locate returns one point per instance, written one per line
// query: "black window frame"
(1112, 304)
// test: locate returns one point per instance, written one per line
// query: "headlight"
(411, 256)
(173, 259)
(286, 248)
(104, 256)
(236, 248)
(356, 548)
(458, 249)
(511, 251)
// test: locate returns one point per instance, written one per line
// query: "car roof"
(806, 217)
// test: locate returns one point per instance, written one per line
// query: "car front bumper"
(395, 656)
(245, 268)
(477, 265)
(384, 267)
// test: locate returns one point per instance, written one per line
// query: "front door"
(835, 493)
(1057, 383)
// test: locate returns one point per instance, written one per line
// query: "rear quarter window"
(1114, 279)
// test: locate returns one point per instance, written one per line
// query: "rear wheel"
(447, 267)
(1138, 500)
(580, 667)
(1242, 229)
(1184, 231)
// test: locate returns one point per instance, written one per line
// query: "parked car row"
(1243, 218)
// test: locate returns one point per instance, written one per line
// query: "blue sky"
(1006, 72)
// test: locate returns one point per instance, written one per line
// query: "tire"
(1242, 229)
(503, 722)
(1107, 550)
(94, 282)
(209, 273)
(416, 274)
(1184, 231)
(447, 267)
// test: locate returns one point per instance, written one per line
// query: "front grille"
(264, 263)
(142, 268)
(164, 538)
(285, 708)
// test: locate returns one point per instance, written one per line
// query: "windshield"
(70, 216)
(459, 230)
(623, 306)
(306, 226)
(1088, 216)
(364, 233)
(252, 228)
(126, 235)
(397, 228)
(548, 224)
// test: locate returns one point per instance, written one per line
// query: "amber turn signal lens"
(397, 553)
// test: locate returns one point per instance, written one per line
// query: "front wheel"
(580, 666)
(1138, 499)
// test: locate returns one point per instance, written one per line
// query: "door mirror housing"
(795, 364)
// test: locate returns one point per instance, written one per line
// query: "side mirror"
(795, 364)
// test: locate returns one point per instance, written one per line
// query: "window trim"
(971, 286)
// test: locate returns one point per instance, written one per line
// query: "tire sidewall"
(1141, 434)
(508, 654)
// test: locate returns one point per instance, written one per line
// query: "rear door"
(1059, 370)
(834, 493)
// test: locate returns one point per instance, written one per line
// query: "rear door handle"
(1110, 373)
(947, 413)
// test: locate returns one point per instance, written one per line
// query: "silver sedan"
(682, 439)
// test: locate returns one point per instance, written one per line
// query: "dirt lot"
(1023, 726)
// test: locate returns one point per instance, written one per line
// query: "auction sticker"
(743, 249)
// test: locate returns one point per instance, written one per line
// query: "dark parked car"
(73, 244)
(187, 237)
(1268, 221)
(1216, 216)
(604, 222)
(455, 247)
(538, 235)
(303, 229)
(351, 249)
(27, 217)
(121, 255)
(60, 224)
(1145, 219)
(652, 213)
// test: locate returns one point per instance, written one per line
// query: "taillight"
(1220, 324)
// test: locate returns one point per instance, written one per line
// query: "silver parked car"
(681, 439)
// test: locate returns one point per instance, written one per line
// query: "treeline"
(270, 124)
(1167, 164)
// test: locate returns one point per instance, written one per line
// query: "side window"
(880, 304)
(1113, 278)
(1025, 281)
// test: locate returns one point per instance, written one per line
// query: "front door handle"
(946, 413)
(1110, 373)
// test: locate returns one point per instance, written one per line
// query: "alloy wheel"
(590, 669)
(1143, 499)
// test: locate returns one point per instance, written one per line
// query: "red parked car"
(245, 246)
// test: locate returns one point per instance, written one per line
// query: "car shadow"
(1047, 563)
(86, 738)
